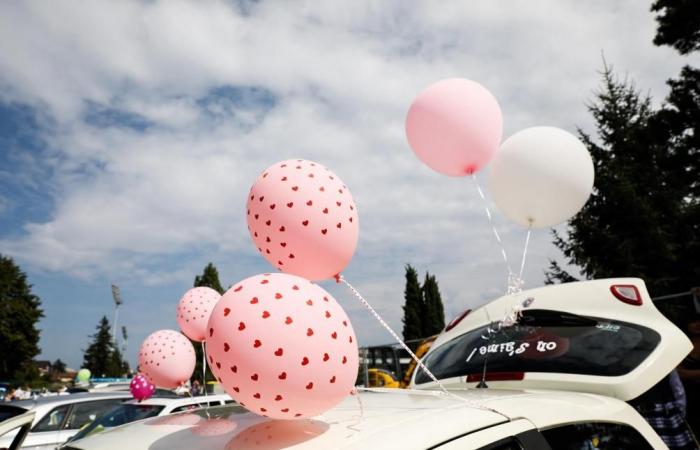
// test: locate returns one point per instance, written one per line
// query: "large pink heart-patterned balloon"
(302, 219)
(282, 347)
(167, 358)
(193, 311)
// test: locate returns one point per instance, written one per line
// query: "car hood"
(358, 422)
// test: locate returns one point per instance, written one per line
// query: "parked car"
(155, 406)
(16, 422)
(58, 418)
(557, 380)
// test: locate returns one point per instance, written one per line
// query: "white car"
(59, 417)
(557, 380)
(155, 406)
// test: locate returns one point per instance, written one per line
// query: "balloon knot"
(337, 278)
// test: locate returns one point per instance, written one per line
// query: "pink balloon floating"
(455, 126)
(213, 427)
(282, 347)
(193, 311)
(302, 219)
(167, 358)
(141, 388)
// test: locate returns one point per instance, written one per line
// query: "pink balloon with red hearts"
(282, 346)
(303, 219)
(193, 311)
(167, 358)
(141, 388)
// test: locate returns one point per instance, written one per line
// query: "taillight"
(496, 376)
(454, 322)
(627, 293)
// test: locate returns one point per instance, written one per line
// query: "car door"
(602, 336)
(45, 433)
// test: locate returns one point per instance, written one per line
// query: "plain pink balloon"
(167, 358)
(282, 347)
(193, 311)
(141, 388)
(302, 219)
(455, 126)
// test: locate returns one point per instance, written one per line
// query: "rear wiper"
(545, 318)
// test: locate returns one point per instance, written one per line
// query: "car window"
(52, 420)
(120, 415)
(546, 341)
(596, 436)
(86, 412)
(191, 407)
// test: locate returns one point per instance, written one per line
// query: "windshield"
(119, 416)
(545, 341)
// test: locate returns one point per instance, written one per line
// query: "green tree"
(58, 367)
(413, 306)
(209, 278)
(19, 313)
(102, 357)
(678, 24)
(642, 218)
(434, 318)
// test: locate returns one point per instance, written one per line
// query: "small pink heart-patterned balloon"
(282, 347)
(302, 219)
(193, 311)
(167, 358)
(141, 388)
(213, 427)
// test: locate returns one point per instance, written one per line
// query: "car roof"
(69, 398)
(375, 415)
(167, 401)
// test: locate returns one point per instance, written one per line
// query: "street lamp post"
(117, 301)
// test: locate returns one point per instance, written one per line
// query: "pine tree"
(412, 309)
(209, 278)
(642, 217)
(102, 357)
(19, 313)
(679, 24)
(434, 318)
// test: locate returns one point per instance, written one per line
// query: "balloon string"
(393, 334)
(204, 379)
(493, 227)
(420, 364)
(527, 243)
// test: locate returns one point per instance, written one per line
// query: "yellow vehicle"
(421, 350)
(382, 378)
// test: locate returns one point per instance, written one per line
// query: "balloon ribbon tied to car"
(340, 279)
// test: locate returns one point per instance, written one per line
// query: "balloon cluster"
(278, 343)
(539, 177)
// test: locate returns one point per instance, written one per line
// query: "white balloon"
(541, 176)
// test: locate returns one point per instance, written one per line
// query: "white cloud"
(342, 76)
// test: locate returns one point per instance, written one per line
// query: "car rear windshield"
(120, 415)
(545, 341)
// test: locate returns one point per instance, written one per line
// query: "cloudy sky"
(130, 133)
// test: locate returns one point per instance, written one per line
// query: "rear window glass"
(596, 435)
(545, 341)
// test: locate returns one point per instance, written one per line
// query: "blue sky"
(131, 131)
